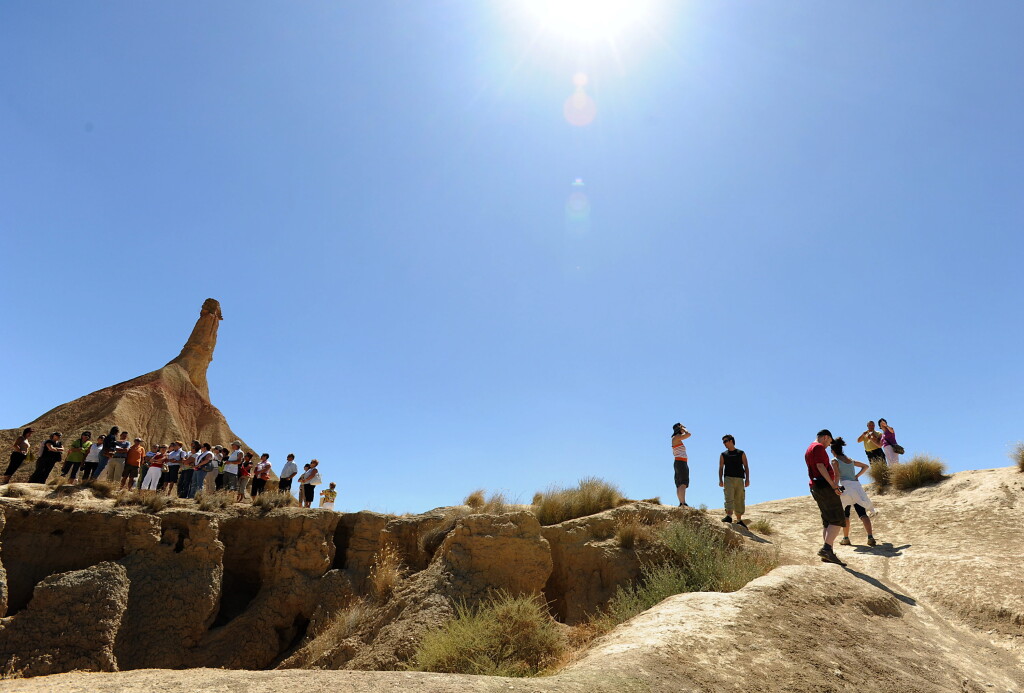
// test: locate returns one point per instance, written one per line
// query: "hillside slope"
(935, 607)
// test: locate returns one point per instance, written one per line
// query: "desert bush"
(386, 572)
(632, 532)
(268, 500)
(591, 495)
(14, 491)
(150, 501)
(475, 499)
(1017, 455)
(218, 500)
(342, 625)
(762, 525)
(699, 560)
(881, 474)
(918, 471)
(99, 488)
(504, 636)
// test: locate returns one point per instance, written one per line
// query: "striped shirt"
(678, 449)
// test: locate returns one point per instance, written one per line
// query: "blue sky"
(797, 215)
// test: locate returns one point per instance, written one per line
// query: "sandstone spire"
(196, 355)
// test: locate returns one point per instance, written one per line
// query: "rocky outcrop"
(358, 539)
(406, 534)
(170, 403)
(497, 552)
(70, 624)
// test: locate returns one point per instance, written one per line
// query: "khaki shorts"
(829, 504)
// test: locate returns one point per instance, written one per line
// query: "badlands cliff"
(170, 403)
(137, 597)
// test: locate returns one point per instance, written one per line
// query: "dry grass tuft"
(631, 531)
(268, 500)
(881, 474)
(343, 625)
(475, 499)
(1017, 455)
(504, 636)
(761, 525)
(100, 489)
(150, 501)
(14, 491)
(55, 481)
(591, 495)
(430, 541)
(920, 470)
(386, 572)
(218, 500)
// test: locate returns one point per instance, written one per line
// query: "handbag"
(898, 449)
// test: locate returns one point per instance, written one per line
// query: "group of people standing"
(169, 469)
(835, 483)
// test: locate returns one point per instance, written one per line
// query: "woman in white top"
(680, 464)
(92, 459)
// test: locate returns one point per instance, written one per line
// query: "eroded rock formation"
(171, 403)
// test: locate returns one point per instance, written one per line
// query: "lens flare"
(579, 109)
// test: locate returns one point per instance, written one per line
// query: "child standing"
(734, 477)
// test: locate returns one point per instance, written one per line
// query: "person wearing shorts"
(18, 455)
(172, 467)
(680, 464)
(826, 493)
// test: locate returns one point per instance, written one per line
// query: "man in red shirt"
(826, 492)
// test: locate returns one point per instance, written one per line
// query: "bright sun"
(589, 20)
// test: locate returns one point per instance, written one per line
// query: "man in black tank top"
(734, 477)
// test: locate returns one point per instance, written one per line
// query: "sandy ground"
(937, 606)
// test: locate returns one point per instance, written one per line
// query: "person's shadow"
(882, 586)
(883, 549)
(748, 534)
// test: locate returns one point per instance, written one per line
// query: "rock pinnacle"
(196, 355)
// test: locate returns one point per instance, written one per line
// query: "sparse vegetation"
(386, 572)
(430, 541)
(150, 501)
(700, 559)
(99, 488)
(591, 495)
(14, 491)
(504, 636)
(1017, 455)
(761, 525)
(475, 499)
(631, 531)
(918, 471)
(218, 500)
(268, 500)
(880, 473)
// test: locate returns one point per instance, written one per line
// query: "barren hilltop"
(180, 599)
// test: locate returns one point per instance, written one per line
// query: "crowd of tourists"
(835, 483)
(172, 469)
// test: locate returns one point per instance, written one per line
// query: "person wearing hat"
(49, 455)
(18, 454)
(231, 467)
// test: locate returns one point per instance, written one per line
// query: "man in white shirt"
(287, 474)
(231, 467)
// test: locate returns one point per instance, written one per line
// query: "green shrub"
(700, 559)
(762, 525)
(920, 470)
(504, 636)
(1017, 455)
(591, 495)
(881, 474)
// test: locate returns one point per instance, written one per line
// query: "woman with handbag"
(890, 447)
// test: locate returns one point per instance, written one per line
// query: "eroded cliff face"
(249, 589)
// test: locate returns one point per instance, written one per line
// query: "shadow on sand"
(750, 535)
(882, 586)
(883, 549)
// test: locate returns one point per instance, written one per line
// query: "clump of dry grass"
(430, 541)
(55, 481)
(475, 499)
(1017, 455)
(150, 501)
(920, 470)
(14, 491)
(591, 495)
(881, 473)
(761, 525)
(218, 500)
(343, 624)
(41, 504)
(99, 488)
(631, 531)
(268, 500)
(480, 503)
(504, 636)
(386, 572)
